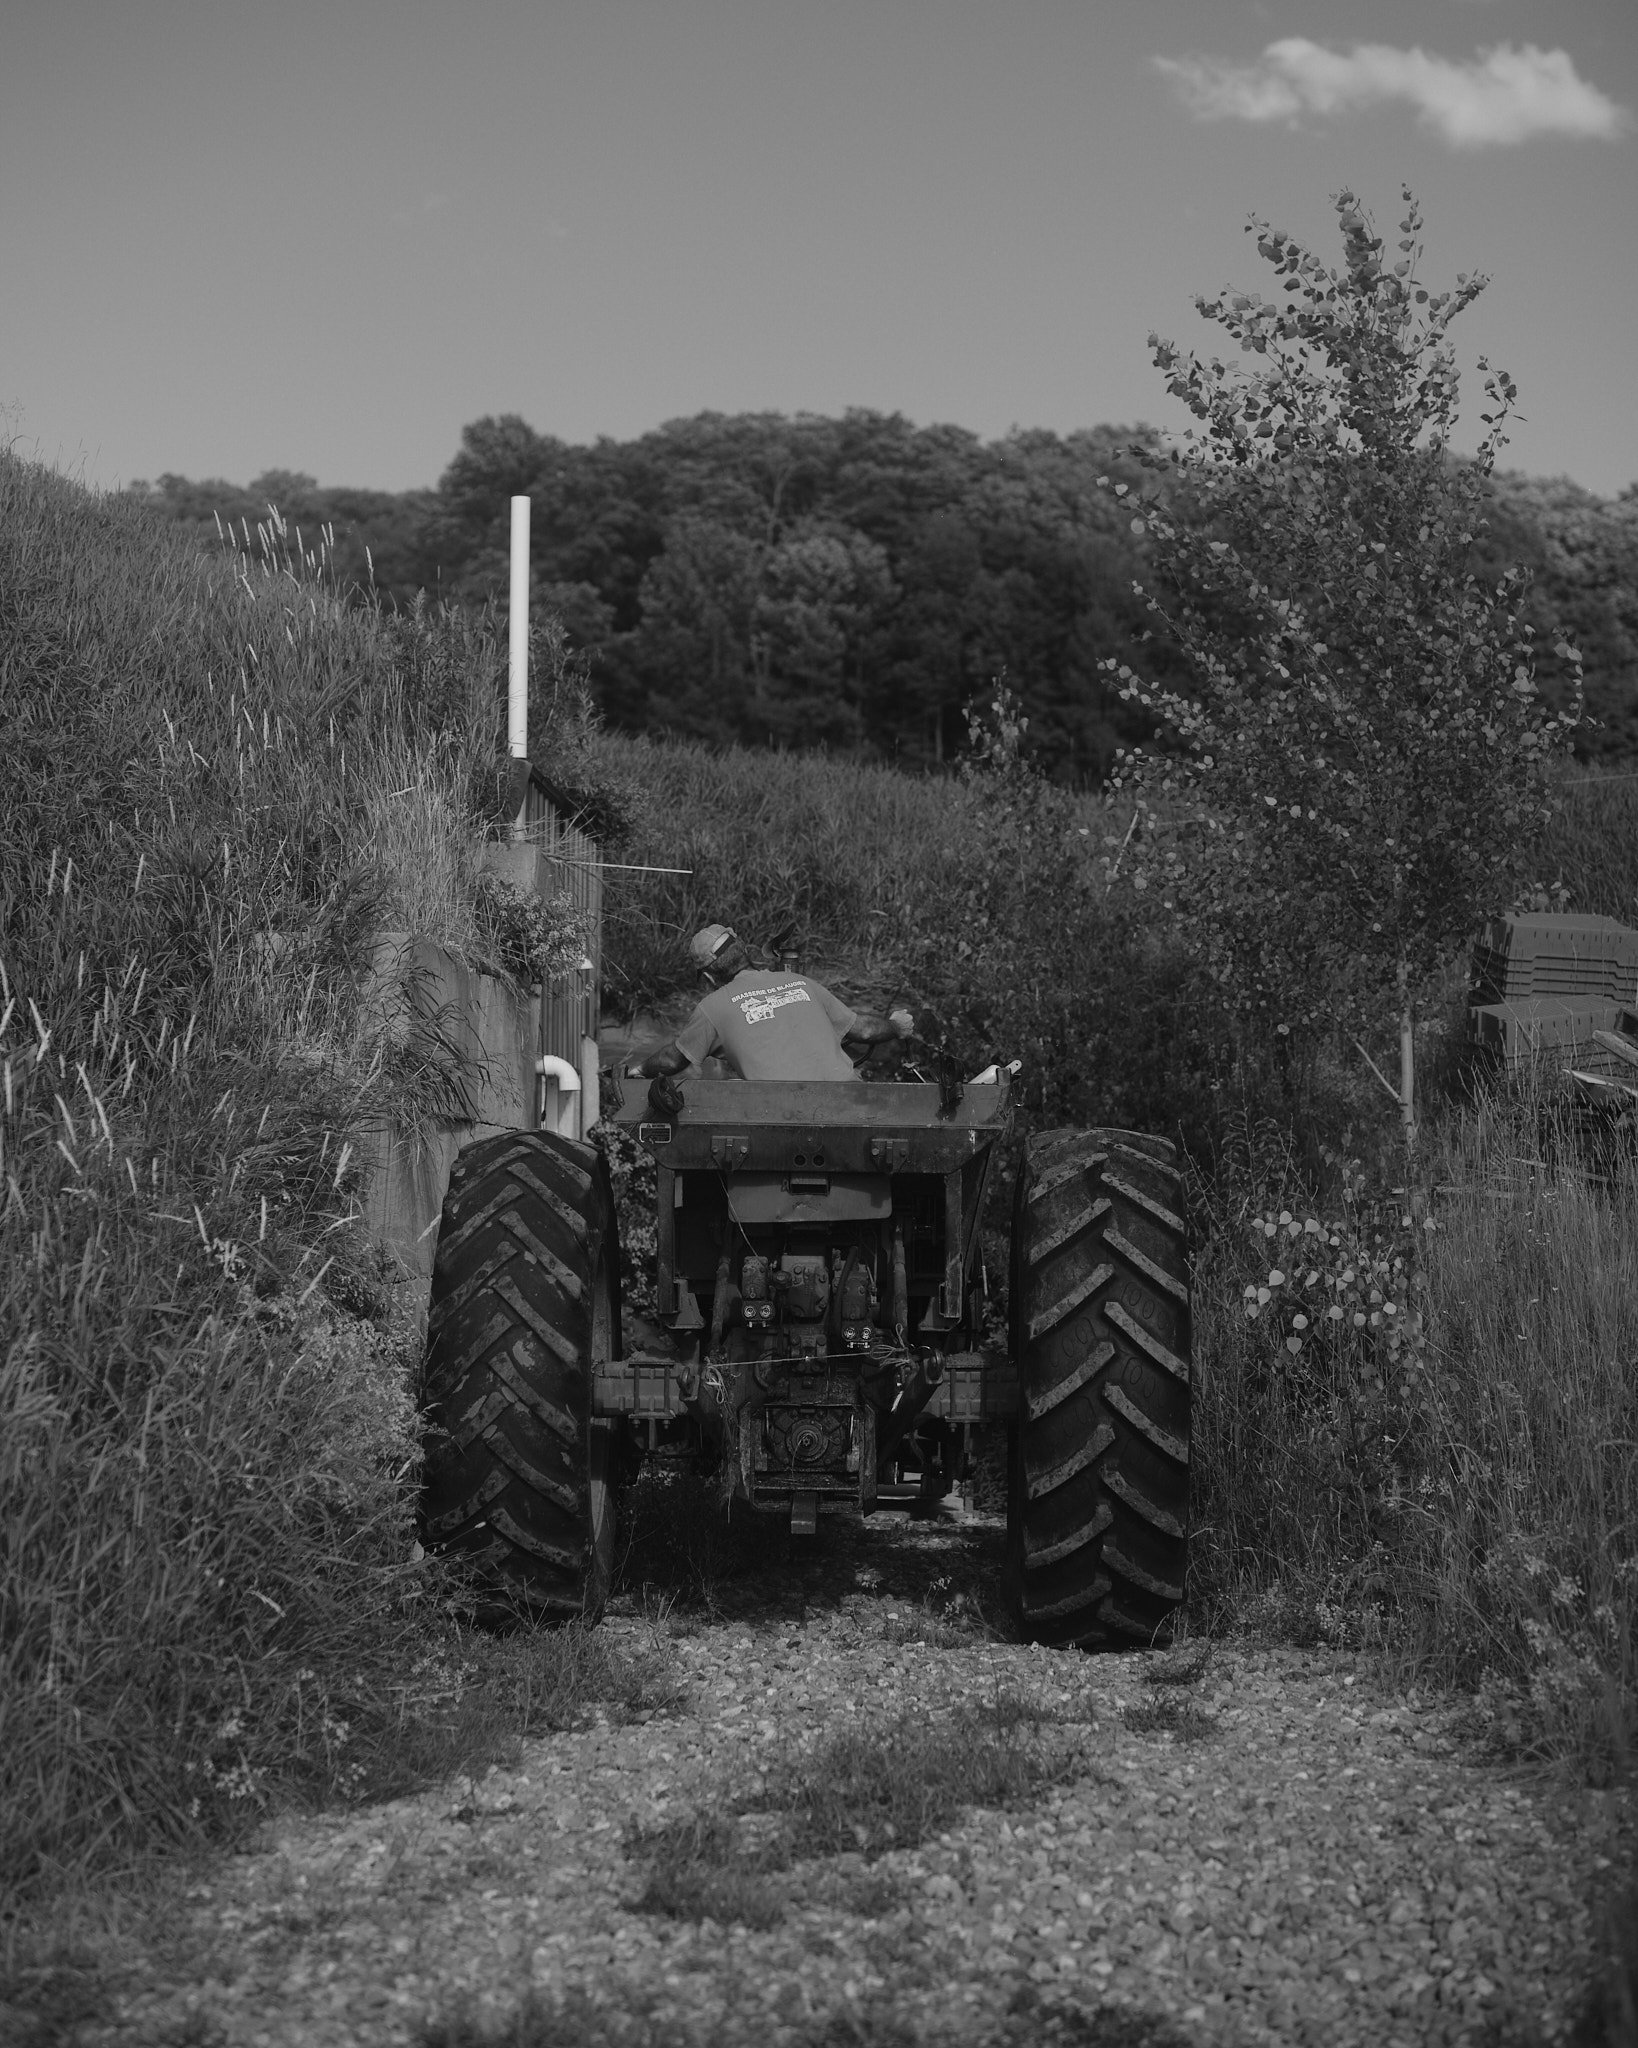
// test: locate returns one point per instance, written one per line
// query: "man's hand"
(868, 1030)
(665, 1059)
(665, 1098)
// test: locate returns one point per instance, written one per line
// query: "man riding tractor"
(765, 1025)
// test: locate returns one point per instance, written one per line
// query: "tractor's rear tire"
(1098, 1470)
(518, 1475)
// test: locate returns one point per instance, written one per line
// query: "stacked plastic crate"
(1556, 987)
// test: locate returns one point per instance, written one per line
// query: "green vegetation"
(853, 582)
(576, 2019)
(222, 784)
(218, 787)
(992, 903)
(863, 1792)
(1359, 760)
(1184, 1719)
(1455, 1497)
(1440, 1473)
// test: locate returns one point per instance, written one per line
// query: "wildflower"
(1276, 1278)
(1299, 1322)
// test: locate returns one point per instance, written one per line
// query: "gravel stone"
(1325, 1866)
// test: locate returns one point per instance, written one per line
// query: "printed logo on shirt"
(757, 1005)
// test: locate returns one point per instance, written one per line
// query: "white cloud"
(1500, 95)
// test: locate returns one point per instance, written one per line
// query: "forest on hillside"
(853, 583)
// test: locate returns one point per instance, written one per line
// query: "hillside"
(217, 785)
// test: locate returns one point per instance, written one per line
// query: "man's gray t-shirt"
(772, 1027)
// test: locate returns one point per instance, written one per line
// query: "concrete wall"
(419, 996)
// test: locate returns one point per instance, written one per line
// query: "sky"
(323, 235)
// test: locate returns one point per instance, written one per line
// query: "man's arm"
(869, 1029)
(691, 1047)
(664, 1059)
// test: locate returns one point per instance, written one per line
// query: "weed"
(947, 1618)
(628, 2019)
(1609, 2015)
(682, 1543)
(1170, 1714)
(705, 1866)
(875, 1789)
(59, 1998)
(1591, 845)
(1043, 2023)
(1407, 1435)
(573, 2020)
(632, 1173)
(862, 1792)
(1186, 1665)
(542, 1681)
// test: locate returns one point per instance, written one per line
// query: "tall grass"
(768, 840)
(218, 784)
(1591, 846)
(1461, 1494)
(1531, 1574)
(1001, 916)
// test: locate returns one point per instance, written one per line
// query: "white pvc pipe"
(517, 675)
(591, 1092)
(558, 1106)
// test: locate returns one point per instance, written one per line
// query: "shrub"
(993, 902)
(1021, 940)
(529, 938)
(1361, 772)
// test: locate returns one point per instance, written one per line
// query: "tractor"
(821, 1341)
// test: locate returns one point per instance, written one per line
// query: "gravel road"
(1301, 1859)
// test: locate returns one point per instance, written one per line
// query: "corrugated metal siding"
(569, 1007)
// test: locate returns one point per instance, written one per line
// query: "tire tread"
(526, 1238)
(1099, 1469)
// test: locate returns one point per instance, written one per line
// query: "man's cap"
(707, 944)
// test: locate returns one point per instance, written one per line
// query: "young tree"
(1361, 772)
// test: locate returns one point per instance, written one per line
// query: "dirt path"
(1273, 1853)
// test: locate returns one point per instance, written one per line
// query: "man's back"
(772, 1027)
